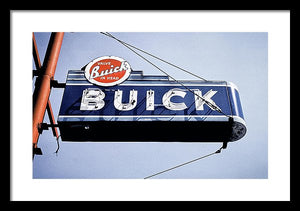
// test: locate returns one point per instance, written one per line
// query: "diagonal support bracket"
(55, 84)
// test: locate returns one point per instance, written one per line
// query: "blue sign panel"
(142, 101)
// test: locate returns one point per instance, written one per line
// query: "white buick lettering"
(125, 106)
(93, 99)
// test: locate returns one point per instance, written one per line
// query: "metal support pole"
(43, 87)
(38, 65)
(35, 53)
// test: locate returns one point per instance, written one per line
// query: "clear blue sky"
(241, 58)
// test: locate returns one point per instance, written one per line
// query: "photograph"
(131, 104)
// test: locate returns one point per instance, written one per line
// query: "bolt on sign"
(107, 101)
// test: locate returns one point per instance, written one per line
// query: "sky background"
(241, 58)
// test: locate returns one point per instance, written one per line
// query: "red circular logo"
(107, 71)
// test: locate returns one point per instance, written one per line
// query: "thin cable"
(109, 35)
(212, 106)
(57, 145)
(161, 172)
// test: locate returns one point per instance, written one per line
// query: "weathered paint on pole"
(43, 87)
(38, 65)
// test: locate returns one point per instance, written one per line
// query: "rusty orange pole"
(38, 65)
(43, 88)
(35, 53)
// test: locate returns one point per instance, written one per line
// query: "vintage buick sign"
(107, 71)
(147, 107)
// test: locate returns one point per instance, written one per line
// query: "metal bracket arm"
(56, 84)
(45, 126)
